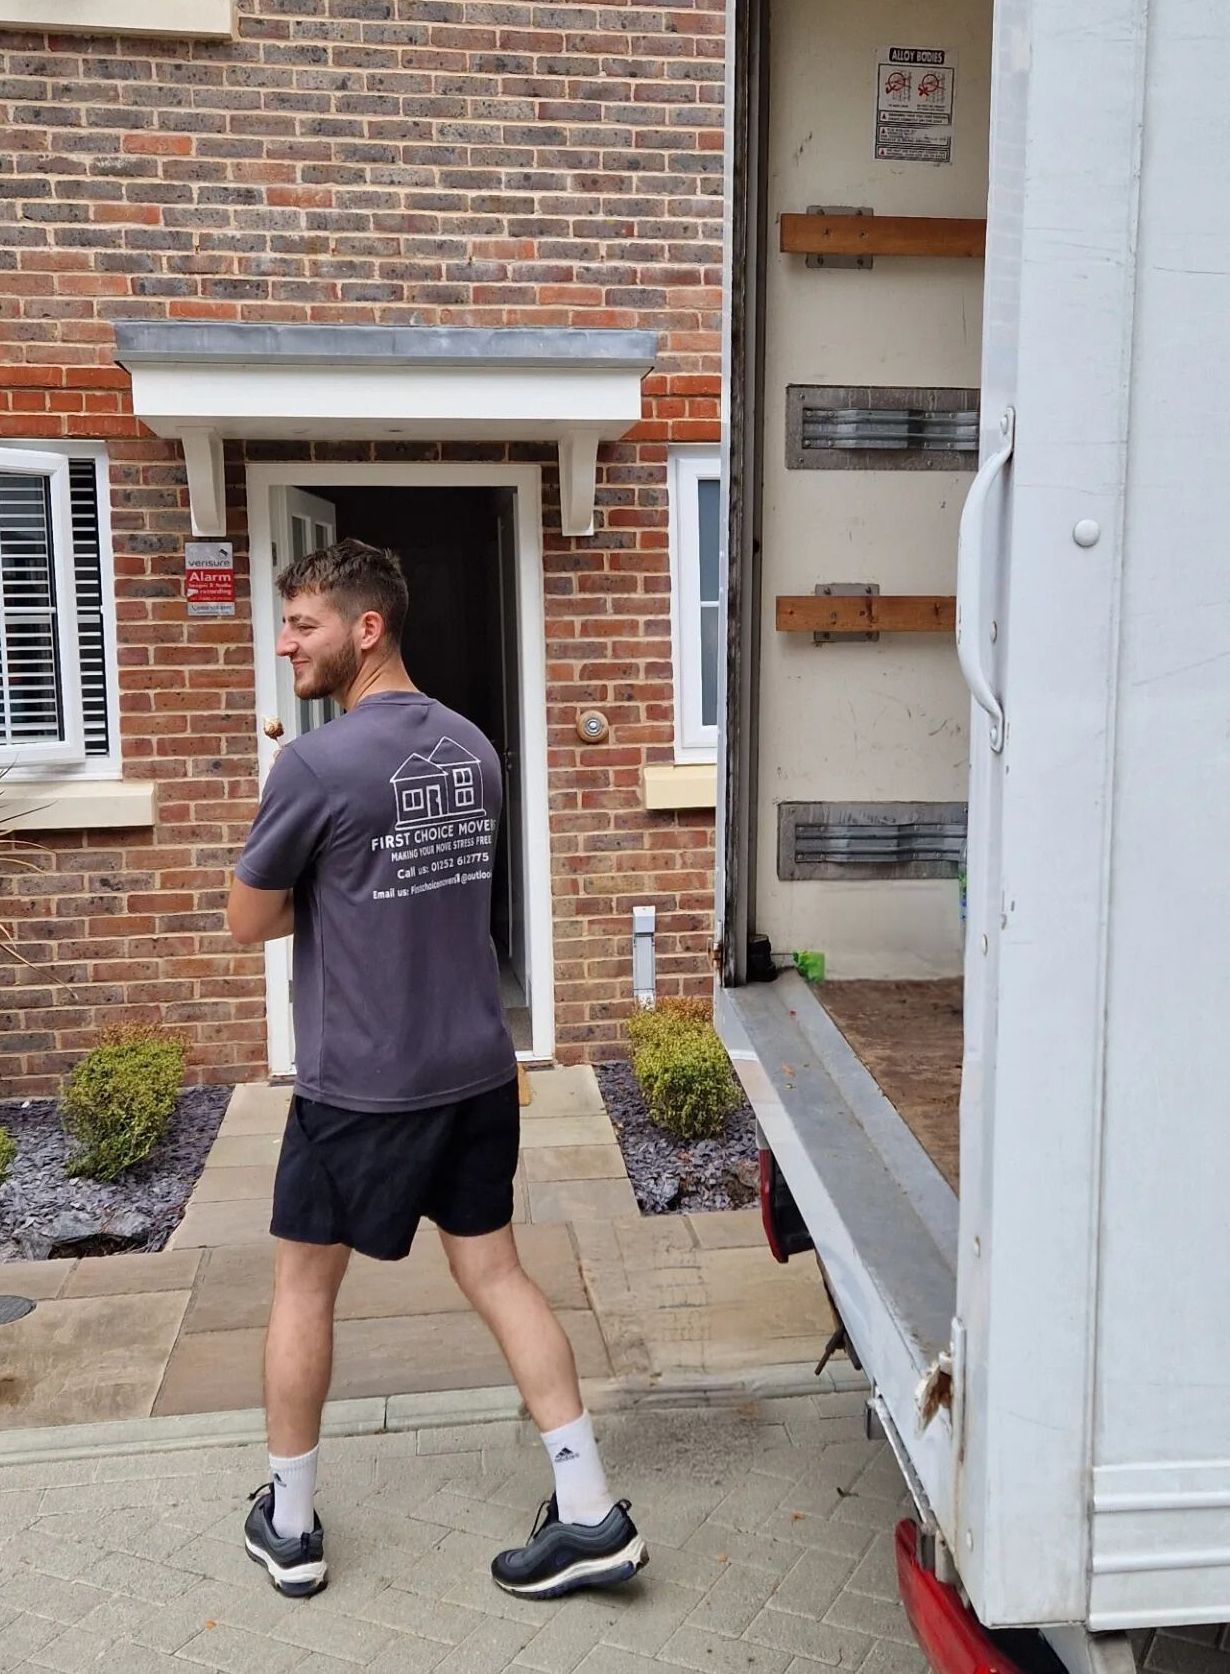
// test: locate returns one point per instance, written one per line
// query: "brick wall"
(369, 161)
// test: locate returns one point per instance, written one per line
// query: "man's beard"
(331, 674)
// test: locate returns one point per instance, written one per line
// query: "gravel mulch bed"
(673, 1178)
(44, 1214)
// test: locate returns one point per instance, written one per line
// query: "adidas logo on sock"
(565, 1456)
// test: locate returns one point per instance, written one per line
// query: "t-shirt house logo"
(444, 785)
(444, 834)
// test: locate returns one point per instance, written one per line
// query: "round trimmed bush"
(683, 1069)
(120, 1098)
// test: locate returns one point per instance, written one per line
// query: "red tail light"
(951, 1636)
(766, 1205)
(784, 1228)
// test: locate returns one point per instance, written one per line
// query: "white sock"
(580, 1484)
(294, 1490)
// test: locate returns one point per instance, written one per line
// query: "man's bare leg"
(299, 1342)
(592, 1542)
(541, 1360)
(534, 1343)
(298, 1369)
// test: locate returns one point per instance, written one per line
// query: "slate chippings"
(673, 1177)
(44, 1213)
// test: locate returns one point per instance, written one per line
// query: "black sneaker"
(559, 1557)
(296, 1565)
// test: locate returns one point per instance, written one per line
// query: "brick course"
(358, 161)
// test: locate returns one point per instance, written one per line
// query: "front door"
(302, 523)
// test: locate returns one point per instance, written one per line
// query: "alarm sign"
(210, 578)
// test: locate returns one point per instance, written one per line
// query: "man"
(374, 843)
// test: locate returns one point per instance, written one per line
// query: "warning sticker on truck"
(914, 102)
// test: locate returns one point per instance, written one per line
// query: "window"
(463, 781)
(58, 702)
(695, 499)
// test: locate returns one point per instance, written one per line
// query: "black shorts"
(346, 1177)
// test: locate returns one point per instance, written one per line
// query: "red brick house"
(444, 275)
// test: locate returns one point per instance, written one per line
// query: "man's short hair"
(355, 577)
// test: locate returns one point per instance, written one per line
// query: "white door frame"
(526, 480)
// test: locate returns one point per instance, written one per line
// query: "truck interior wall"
(863, 722)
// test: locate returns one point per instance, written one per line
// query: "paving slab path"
(648, 1301)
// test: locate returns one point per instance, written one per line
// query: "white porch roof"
(203, 381)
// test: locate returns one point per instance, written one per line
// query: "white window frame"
(201, 19)
(67, 760)
(688, 468)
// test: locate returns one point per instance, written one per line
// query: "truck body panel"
(1077, 1466)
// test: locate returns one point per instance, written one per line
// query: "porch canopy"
(202, 381)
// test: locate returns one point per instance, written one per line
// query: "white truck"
(978, 445)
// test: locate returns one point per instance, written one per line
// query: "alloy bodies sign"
(914, 102)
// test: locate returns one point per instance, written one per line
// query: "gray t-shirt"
(384, 824)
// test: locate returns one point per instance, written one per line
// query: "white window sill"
(76, 805)
(204, 19)
(691, 784)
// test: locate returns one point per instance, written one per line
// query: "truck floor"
(910, 1037)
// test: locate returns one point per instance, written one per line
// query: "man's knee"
(480, 1265)
(309, 1273)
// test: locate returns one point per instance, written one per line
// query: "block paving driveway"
(769, 1526)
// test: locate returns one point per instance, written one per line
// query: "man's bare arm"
(259, 915)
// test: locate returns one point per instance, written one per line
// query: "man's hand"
(259, 915)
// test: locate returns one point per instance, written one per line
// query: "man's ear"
(371, 630)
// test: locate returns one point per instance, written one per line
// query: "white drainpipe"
(644, 980)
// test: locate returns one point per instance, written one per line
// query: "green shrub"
(8, 1153)
(120, 1097)
(682, 1068)
(668, 1020)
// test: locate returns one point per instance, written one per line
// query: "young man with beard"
(374, 843)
